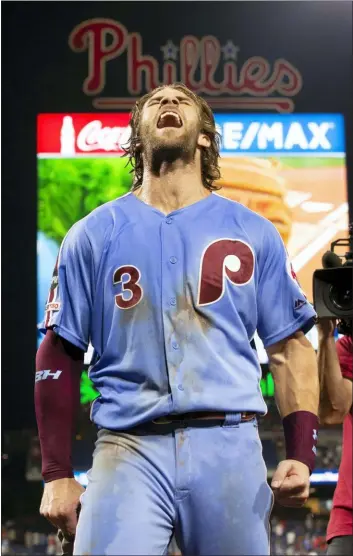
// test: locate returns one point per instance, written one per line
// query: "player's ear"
(203, 140)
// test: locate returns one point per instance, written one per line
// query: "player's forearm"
(57, 394)
(294, 368)
(333, 396)
(295, 374)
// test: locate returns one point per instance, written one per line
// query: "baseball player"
(169, 283)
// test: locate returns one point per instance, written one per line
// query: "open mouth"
(169, 119)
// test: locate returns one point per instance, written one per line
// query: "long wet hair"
(209, 155)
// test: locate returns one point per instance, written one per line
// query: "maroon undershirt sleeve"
(300, 433)
(59, 366)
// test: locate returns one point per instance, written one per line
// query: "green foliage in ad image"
(71, 188)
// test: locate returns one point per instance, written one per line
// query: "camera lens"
(341, 298)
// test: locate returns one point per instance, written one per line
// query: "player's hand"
(291, 483)
(60, 504)
(326, 327)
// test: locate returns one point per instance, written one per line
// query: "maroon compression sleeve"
(300, 432)
(57, 397)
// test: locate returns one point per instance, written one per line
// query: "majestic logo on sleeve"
(224, 259)
(299, 303)
(203, 64)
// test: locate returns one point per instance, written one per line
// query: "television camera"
(332, 285)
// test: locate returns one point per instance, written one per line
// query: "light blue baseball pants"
(205, 482)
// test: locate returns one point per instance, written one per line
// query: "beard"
(169, 147)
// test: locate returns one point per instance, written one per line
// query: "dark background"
(41, 74)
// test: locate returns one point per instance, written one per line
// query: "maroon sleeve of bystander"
(344, 348)
(57, 396)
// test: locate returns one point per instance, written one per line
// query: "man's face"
(170, 123)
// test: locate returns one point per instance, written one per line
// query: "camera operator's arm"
(335, 372)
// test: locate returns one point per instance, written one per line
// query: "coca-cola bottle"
(67, 137)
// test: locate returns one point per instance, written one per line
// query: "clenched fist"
(60, 504)
(291, 483)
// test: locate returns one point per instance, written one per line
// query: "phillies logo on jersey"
(206, 66)
(224, 259)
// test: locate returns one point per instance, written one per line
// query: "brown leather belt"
(198, 416)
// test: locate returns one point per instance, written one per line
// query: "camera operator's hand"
(326, 327)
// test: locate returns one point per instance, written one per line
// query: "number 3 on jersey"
(131, 291)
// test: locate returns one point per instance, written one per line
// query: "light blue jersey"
(171, 304)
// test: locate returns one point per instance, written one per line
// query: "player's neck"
(173, 189)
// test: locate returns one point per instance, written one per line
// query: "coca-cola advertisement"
(288, 168)
(80, 134)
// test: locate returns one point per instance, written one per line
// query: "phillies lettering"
(106, 39)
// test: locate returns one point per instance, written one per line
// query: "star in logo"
(170, 51)
(230, 51)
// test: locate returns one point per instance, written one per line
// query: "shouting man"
(169, 283)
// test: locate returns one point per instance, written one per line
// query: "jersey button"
(169, 220)
(180, 387)
(175, 345)
(173, 260)
(172, 301)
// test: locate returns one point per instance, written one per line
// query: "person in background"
(335, 361)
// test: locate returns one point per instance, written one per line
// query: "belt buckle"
(245, 416)
(162, 421)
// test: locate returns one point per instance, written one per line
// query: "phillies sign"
(207, 67)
